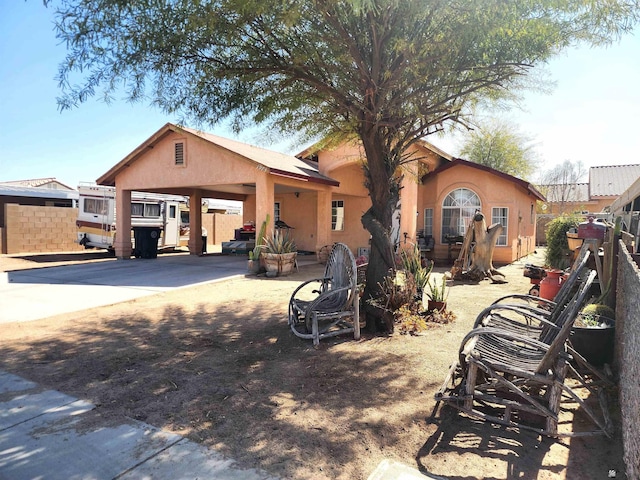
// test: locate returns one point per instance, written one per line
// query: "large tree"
(500, 146)
(387, 72)
(561, 185)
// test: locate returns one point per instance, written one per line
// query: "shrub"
(558, 253)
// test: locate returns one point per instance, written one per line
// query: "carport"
(183, 161)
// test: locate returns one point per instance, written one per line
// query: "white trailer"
(96, 220)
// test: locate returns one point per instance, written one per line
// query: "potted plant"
(279, 253)
(593, 334)
(437, 293)
(412, 263)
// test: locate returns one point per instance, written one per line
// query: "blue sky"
(591, 115)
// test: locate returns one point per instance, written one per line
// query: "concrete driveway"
(36, 293)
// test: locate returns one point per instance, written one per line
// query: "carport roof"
(276, 163)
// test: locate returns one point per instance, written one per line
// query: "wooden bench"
(332, 308)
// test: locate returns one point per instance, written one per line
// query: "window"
(179, 153)
(337, 215)
(172, 211)
(428, 222)
(276, 211)
(151, 210)
(458, 209)
(145, 209)
(95, 205)
(501, 215)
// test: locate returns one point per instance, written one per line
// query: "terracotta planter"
(278, 263)
(439, 306)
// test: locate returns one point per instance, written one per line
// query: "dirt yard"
(218, 364)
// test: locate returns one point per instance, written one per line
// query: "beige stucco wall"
(203, 165)
(37, 229)
(493, 191)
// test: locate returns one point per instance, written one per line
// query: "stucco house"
(321, 194)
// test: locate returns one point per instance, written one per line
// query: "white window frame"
(501, 215)
(337, 215)
(97, 206)
(458, 207)
(428, 222)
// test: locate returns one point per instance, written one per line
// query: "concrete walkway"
(44, 292)
(46, 434)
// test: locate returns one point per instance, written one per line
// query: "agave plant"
(412, 263)
(279, 242)
(438, 293)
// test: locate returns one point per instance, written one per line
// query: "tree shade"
(387, 72)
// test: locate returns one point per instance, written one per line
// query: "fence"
(40, 229)
(628, 355)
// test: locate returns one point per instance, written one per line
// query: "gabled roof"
(310, 150)
(459, 161)
(611, 181)
(37, 182)
(276, 163)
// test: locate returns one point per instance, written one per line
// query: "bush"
(558, 253)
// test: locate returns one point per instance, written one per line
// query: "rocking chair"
(333, 309)
(515, 380)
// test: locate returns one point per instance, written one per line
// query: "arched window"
(458, 209)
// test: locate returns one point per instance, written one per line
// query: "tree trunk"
(484, 243)
(383, 188)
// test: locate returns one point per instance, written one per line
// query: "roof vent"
(179, 153)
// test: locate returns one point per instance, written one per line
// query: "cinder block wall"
(628, 356)
(36, 229)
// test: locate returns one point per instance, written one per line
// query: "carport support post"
(264, 200)
(195, 223)
(122, 242)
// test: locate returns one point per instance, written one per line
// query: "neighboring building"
(450, 195)
(322, 193)
(606, 184)
(50, 183)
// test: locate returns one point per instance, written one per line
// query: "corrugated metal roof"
(35, 192)
(611, 181)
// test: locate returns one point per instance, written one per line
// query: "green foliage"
(386, 72)
(438, 292)
(255, 253)
(558, 253)
(412, 263)
(409, 321)
(502, 148)
(595, 314)
(279, 242)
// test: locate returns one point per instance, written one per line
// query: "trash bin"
(146, 242)
(204, 240)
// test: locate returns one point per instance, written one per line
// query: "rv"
(97, 216)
